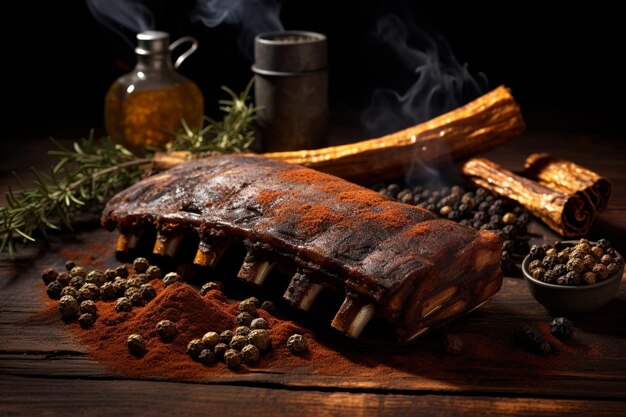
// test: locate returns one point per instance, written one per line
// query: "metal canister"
(291, 89)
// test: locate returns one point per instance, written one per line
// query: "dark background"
(563, 64)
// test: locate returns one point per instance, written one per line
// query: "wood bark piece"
(569, 177)
(476, 127)
(567, 214)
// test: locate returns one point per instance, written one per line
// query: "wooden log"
(567, 214)
(569, 177)
(476, 127)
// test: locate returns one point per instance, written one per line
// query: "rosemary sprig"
(234, 133)
(85, 177)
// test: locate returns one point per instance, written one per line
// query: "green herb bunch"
(87, 175)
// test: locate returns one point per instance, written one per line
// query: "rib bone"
(127, 242)
(353, 316)
(210, 252)
(254, 270)
(167, 246)
(301, 291)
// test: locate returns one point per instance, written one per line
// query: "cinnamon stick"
(476, 127)
(567, 214)
(569, 177)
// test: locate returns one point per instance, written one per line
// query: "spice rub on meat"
(391, 260)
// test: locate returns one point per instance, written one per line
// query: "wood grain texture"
(43, 371)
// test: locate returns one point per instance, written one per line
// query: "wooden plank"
(30, 397)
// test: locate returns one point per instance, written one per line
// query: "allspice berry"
(297, 343)
(136, 344)
(166, 329)
(68, 306)
(232, 358)
(250, 354)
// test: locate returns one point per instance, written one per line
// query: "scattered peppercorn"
(526, 336)
(141, 265)
(48, 275)
(206, 357)
(226, 336)
(212, 285)
(54, 290)
(171, 277)
(249, 305)
(244, 318)
(250, 354)
(259, 323)
(68, 306)
(69, 265)
(452, 344)
(232, 358)
(268, 306)
(64, 279)
(260, 338)
(194, 347)
(153, 271)
(148, 292)
(562, 328)
(89, 306)
(297, 343)
(121, 271)
(211, 339)
(546, 348)
(219, 350)
(136, 344)
(123, 304)
(86, 320)
(166, 329)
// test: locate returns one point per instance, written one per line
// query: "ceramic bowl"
(572, 299)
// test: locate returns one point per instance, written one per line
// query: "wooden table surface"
(45, 371)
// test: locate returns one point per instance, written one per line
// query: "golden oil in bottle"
(145, 107)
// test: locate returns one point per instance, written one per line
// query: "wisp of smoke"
(120, 15)
(251, 16)
(441, 84)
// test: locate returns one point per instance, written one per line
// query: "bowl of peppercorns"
(573, 276)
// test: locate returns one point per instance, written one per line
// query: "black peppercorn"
(537, 252)
(297, 343)
(64, 279)
(219, 350)
(546, 348)
(526, 336)
(206, 357)
(572, 278)
(78, 271)
(48, 275)
(89, 306)
(88, 291)
(260, 338)
(68, 306)
(170, 278)
(135, 282)
(121, 271)
(194, 347)
(589, 278)
(166, 329)
(77, 282)
(550, 276)
(95, 277)
(249, 305)
(244, 318)
(232, 358)
(140, 265)
(69, 291)
(69, 265)
(212, 285)
(54, 290)
(452, 344)
(250, 354)
(612, 268)
(137, 299)
(259, 323)
(153, 271)
(136, 344)
(559, 270)
(562, 328)
(211, 339)
(601, 271)
(86, 320)
(148, 292)
(238, 342)
(226, 336)
(549, 261)
(109, 274)
(123, 304)
(242, 331)
(603, 244)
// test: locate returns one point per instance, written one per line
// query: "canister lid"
(290, 51)
(152, 42)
